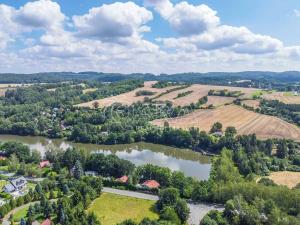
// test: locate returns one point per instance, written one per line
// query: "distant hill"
(205, 78)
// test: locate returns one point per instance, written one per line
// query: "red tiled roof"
(46, 222)
(44, 163)
(123, 179)
(151, 184)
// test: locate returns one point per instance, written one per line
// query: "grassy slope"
(112, 209)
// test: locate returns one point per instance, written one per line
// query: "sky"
(149, 36)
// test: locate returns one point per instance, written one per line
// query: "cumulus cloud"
(114, 21)
(43, 14)
(185, 18)
(110, 38)
(201, 29)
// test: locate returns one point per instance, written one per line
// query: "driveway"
(197, 211)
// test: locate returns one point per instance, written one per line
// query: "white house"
(15, 184)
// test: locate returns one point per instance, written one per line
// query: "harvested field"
(288, 178)
(282, 97)
(199, 91)
(5, 87)
(127, 98)
(245, 121)
(251, 103)
(218, 100)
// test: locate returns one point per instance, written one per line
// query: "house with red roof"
(44, 164)
(150, 184)
(46, 222)
(123, 179)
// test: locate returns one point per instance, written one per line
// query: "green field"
(2, 184)
(112, 209)
(20, 214)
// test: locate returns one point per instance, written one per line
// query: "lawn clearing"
(288, 178)
(2, 184)
(112, 209)
(20, 214)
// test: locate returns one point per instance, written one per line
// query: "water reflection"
(191, 163)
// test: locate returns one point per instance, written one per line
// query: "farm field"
(251, 103)
(199, 91)
(288, 178)
(112, 209)
(245, 121)
(127, 98)
(284, 97)
(218, 100)
(5, 87)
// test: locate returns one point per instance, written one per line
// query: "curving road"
(197, 211)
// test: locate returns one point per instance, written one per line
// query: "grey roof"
(9, 188)
(18, 182)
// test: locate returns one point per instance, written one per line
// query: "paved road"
(197, 211)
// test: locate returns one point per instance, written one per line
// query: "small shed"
(123, 179)
(151, 184)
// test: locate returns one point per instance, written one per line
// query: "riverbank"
(191, 163)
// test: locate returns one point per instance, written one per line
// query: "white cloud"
(113, 22)
(109, 38)
(185, 18)
(201, 30)
(236, 39)
(297, 12)
(42, 14)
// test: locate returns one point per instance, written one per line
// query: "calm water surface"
(191, 163)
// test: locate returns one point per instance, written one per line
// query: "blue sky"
(158, 36)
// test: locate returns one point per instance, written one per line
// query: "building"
(123, 179)
(151, 184)
(15, 184)
(44, 164)
(46, 222)
(91, 173)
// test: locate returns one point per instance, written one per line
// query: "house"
(15, 184)
(123, 179)
(91, 173)
(46, 222)
(218, 134)
(150, 184)
(44, 164)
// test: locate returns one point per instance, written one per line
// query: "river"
(191, 163)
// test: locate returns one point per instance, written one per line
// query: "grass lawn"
(112, 209)
(4, 168)
(20, 214)
(2, 184)
(31, 185)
